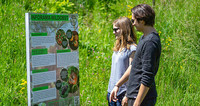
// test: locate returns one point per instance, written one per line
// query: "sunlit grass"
(177, 23)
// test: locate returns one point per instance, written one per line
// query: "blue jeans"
(118, 102)
(146, 102)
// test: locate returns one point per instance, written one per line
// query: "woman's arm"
(123, 79)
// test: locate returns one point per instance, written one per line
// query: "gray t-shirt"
(120, 63)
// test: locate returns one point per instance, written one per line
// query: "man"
(141, 88)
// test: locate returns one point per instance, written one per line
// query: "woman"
(124, 49)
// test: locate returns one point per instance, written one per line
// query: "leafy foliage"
(177, 23)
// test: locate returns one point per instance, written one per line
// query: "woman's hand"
(125, 101)
(113, 94)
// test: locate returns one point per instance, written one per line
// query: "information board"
(52, 59)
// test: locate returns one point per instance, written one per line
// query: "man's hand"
(125, 101)
(113, 94)
(136, 103)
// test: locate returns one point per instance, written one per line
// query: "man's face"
(138, 25)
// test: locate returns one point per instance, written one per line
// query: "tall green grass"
(178, 77)
(177, 22)
(12, 54)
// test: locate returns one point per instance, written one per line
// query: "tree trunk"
(153, 3)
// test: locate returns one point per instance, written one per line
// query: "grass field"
(177, 21)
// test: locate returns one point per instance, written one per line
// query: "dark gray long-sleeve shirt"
(145, 66)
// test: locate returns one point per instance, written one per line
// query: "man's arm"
(141, 94)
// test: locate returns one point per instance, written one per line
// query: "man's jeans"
(147, 102)
(119, 101)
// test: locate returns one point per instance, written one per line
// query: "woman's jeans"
(118, 102)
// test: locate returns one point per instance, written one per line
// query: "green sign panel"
(39, 51)
(63, 51)
(40, 88)
(49, 17)
(38, 34)
(40, 70)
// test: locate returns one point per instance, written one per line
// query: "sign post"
(52, 59)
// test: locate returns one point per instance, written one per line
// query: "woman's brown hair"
(127, 35)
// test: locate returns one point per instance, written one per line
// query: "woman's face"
(116, 31)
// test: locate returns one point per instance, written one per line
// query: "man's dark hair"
(144, 12)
